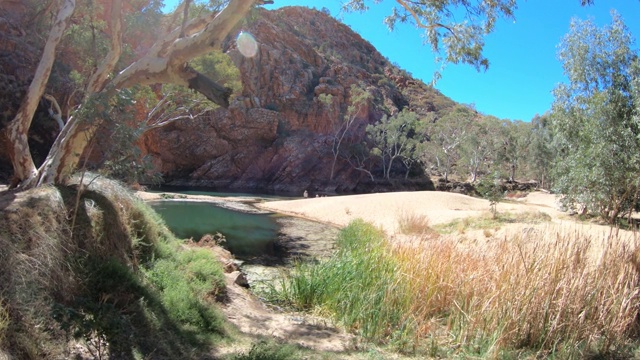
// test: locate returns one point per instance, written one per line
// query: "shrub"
(411, 223)
(490, 189)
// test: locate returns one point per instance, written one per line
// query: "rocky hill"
(277, 135)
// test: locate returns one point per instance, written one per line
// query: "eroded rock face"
(277, 135)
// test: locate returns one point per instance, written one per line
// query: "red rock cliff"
(277, 135)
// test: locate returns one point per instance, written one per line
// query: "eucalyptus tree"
(446, 137)
(359, 99)
(455, 29)
(541, 152)
(395, 137)
(479, 148)
(166, 61)
(595, 119)
(513, 147)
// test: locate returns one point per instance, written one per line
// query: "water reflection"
(248, 235)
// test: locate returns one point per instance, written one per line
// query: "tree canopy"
(453, 28)
(595, 119)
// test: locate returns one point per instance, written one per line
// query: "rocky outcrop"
(277, 135)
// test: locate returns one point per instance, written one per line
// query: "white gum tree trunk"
(165, 62)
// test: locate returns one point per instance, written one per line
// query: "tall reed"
(361, 286)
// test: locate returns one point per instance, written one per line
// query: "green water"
(248, 235)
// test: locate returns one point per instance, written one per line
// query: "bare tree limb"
(210, 89)
(421, 24)
(54, 110)
(18, 128)
(185, 17)
(165, 122)
(100, 77)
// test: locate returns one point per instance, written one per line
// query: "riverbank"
(384, 209)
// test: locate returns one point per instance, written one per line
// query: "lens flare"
(247, 44)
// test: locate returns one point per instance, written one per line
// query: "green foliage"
(595, 120)
(394, 137)
(446, 136)
(478, 150)
(218, 67)
(515, 142)
(490, 189)
(184, 278)
(359, 286)
(85, 39)
(541, 152)
(460, 41)
(326, 99)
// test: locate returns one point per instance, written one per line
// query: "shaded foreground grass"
(99, 268)
(565, 296)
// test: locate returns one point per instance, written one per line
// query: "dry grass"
(82, 266)
(4, 321)
(539, 294)
(561, 294)
(411, 223)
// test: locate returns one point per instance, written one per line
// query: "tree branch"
(17, 130)
(210, 89)
(419, 22)
(100, 77)
(165, 62)
(57, 114)
(185, 17)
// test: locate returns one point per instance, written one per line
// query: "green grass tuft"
(355, 287)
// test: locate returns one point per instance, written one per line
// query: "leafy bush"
(490, 189)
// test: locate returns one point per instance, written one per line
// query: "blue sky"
(522, 53)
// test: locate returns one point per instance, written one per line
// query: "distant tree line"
(460, 143)
(586, 148)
